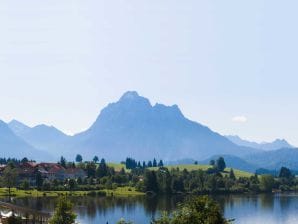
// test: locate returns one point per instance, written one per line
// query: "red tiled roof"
(73, 170)
(55, 169)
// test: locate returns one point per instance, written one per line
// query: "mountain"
(234, 162)
(43, 137)
(274, 160)
(13, 146)
(277, 144)
(133, 127)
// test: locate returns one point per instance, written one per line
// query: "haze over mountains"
(277, 144)
(15, 147)
(46, 138)
(133, 127)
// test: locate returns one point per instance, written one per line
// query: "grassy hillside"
(117, 166)
(238, 173)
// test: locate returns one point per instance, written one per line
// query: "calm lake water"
(248, 209)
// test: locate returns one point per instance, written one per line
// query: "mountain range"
(133, 127)
(13, 146)
(277, 144)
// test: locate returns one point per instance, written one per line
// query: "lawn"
(119, 192)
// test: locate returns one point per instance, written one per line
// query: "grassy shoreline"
(119, 192)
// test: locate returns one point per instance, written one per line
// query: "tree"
(177, 185)
(150, 181)
(95, 159)
(25, 185)
(212, 162)
(79, 158)
(232, 175)
(220, 164)
(102, 169)
(285, 173)
(39, 180)
(63, 161)
(130, 163)
(72, 184)
(160, 164)
(149, 164)
(267, 182)
(91, 169)
(9, 177)
(164, 180)
(154, 163)
(63, 212)
(200, 210)
(24, 160)
(196, 163)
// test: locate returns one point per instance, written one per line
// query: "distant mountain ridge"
(43, 137)
(277, 144)
(234, 162)
(15, 147)
(274, 160)
(132, 127)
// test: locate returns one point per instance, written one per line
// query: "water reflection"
(263, 209)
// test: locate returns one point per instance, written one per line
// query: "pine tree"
(220, 164)
(95, 159)
(154, 163)
(63, 161)
(232, 175)
(79, 158)
(102, 169)
(63, 212)
(160, 164)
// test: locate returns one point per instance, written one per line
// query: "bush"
(63, 212)
(14, 220)
(200, 210)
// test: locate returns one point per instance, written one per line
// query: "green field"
(119, 192)
(117, 166)
(190, 167)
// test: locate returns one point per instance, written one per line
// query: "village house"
(49, 171)
(75, 173)
(52, 171)
(27, 171)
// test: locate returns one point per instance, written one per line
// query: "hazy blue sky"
(231, 65)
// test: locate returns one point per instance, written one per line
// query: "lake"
(246, 209)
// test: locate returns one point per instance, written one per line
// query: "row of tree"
(131, 163)
(173, 181)
(5, 161)
(161, 181)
